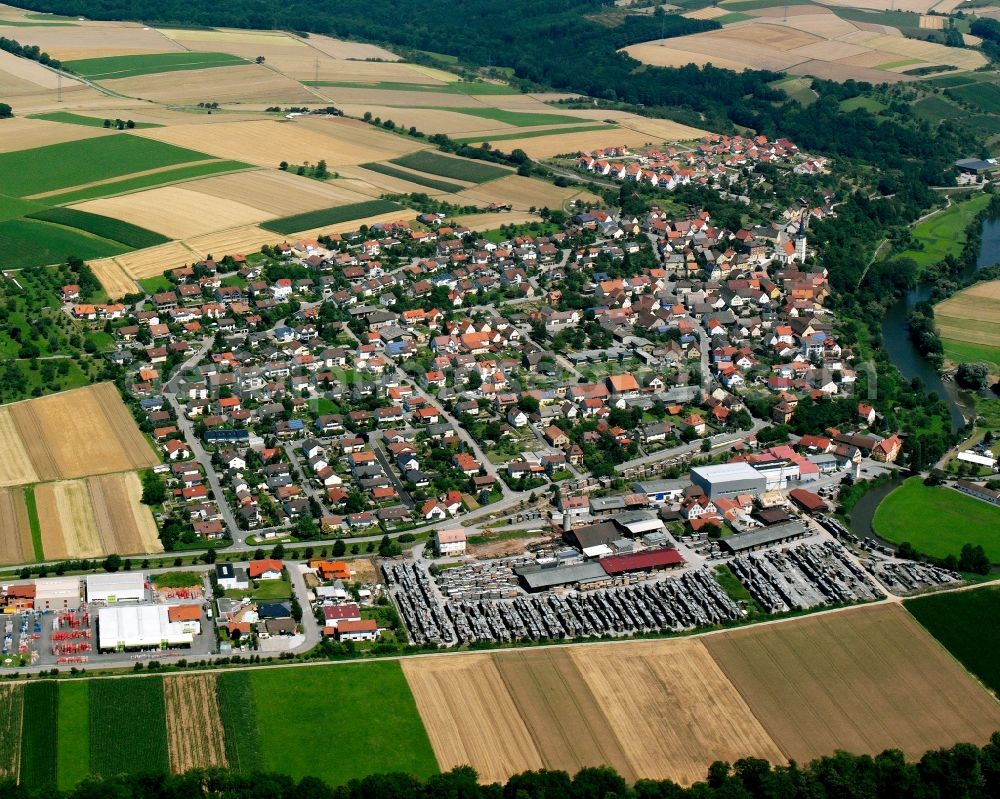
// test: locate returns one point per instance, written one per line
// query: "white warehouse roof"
(740, 470)
(138, 627)
(127, 586)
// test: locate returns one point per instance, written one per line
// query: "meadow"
(420, 180)
(965, 352)
(959, 620)
(446, 167)
(969, 324)
(938, 521)
(239, 721)
(29, 243)
(330, 216)
(130, 66)
(104, 226)
(944, 233)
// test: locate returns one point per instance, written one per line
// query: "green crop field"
(369, 703)
(531, 134)
(963, 621)
(934, 109)
(330, 216)
(950, 81)
(38, 755)
(90, 122)
(128, 732)
(28, 242)
(896, 19)
(103, 226)
(73, 163)
(32, 507)
(129, 66)
(938, 521)
(14, 207)
(455, 168)
(944, 233)
(966, 352)
(518, 119)
(20, 23)
(455, 87)
(239, 721)
(420, 180)
(983, 96)
(11, 713)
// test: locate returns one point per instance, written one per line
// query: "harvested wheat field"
(100, 40)
(489, 221)
(917, 6)
(563, 143)
(195, 738)
(399, 100)
(470, 716)
(708, 12)
(250, 83)
(403, 214)
(338, 141)
(15, 532)
(377, 184)
(862, 680)
(275, 192)
(156, 260)
(677, 713)
(338, 48)
(113, 278)
(176, 211)
(237, 241)
(523, 193)
(67, 522)
(80, 432)
(21, 133)
(430, 120)
(972, 315)
(126, 525)
(16, 467)
(932, 23)
(563, 716)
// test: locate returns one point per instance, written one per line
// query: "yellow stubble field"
(15, 533)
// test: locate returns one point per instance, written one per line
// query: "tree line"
(964, 771)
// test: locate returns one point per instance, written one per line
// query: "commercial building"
(649, 560)
(57, 593)
(808, 501)
(450, 542)
(17, 598)
(728, 479)
(124, 627)
(363, 630)
(660, 492)
(758, 539)
(541, 578)
(110, 589)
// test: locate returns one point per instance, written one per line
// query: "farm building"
(362, 630)
(650, 560)
(450, 542)
(334, 616)
(977, 491)
(57, 593)
(109, 589)
(123, 627)
(758, 539)
(265, 569)
(728, 479)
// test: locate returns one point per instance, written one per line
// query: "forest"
(962, 772)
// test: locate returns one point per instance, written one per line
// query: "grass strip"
(90, 122)
(38, 750)
(532, 134)
(330, 216)
(456, 168)
(103, 226)
(72, 745)
(128, 728)
(420, 180)
(239, 721)
(130, 66)
(33, 523)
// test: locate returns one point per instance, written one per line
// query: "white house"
(450, 542)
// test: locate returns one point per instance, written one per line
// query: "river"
(905, 356)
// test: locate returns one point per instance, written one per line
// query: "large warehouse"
(728, 479)
(140, 627)
(110, 589)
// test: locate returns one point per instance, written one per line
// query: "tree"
(339, 548)
(6, 112)
(154, 489)
(973, 559)
(972, 376)
(112, 563)
(296, 610)
(278, 552)
(283, 166)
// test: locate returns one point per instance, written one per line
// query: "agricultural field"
(130, 66)
(22, 133)
(11, 713)
(938, 521)
(127, 742)
(71, 434)
(808, 40)
(195, 736)
(523, 193)
(29, 242)
(413, 177)
(38, 755)
(331, 216)
(15, 530)
(449, 167)
(944, 233)
(958, 619)
(969, 325)
(862, 680)
(109, 227)
(238, 717)
(89, 122)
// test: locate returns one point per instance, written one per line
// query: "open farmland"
(129, 66)
(957, 619)
(448, 167)
(944, 232)
(77, 433)
(29, 242)
(109, 227)
(21, 133)
(969, 324)
(331, 216)
(523, 193)
(237, 714)
(73, 743)
(15, 532)
(937, 520)
(277, 193)
(127, 742)
(421, 180)
(16, 467)
(560, 142)
(38, 755)
(113, 279)
(862, 680)
(195, 737)
(240, 83)
(11, 713)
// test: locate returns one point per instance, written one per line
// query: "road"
(377, 442)
(718, 442)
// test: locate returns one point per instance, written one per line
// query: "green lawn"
(865, 103)
(420, 180)
(964, 622)
(90, 122)
(365, 711)
(938, 521)
(330, 216)
(73, 743)
(27, 242)
(944, 233)
(964, 352)
(455, 87)
(531, 134)
(129, 66)
(153, 285)
(128, 728)
(517, 118)
(104, 226)
(72, 163)
(455, 168)
(177, 579)
(33, 523)
(38, 754)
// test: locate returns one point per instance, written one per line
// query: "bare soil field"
(564, 718)
(113, 278)
(21, 133)
(69, 529)
(470, 716)
(678, 714)
(177, 211)
(250, 83)
(16, 467)
(340, 142)
(862, 680)
(301, 64)
(85, 431)
(276, 193)
(100, 39)
(195, 738)
(15, 533)
(524, 193)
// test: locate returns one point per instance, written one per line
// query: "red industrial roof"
(650, 559)
(807, 500)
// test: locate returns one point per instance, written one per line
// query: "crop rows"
(38, 755)
(420, 180)
(11, 713)
(128, 730)
(330, 216)
(239, 721)
(104, 226)
(455, 168)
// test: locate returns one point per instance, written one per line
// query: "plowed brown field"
(195, 738)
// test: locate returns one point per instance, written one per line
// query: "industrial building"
(541, 578)
(110, 589)
(57, 593)
(728, 479)
(124, 627)
(660, 492)
(759, 539)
